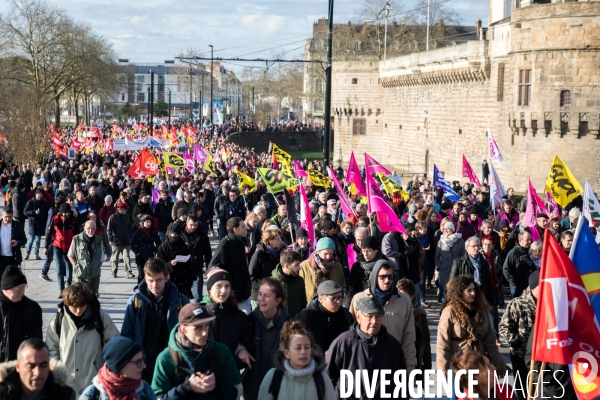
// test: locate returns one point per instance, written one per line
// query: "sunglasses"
(384, 277)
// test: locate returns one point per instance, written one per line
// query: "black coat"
(231, 256)
(55, 387)
(231, 209)
(324, 325)
(119, 229)
(139, 209)
(525, 267)
(162, 211)
(181, 273)
(37, 222)
(199, 245)
(231, 327)
(261, 266)
(144, 244)
(21, 320)
(463, 266)
(18, 202)
(511, 262)
(352, 350)
(95, 202)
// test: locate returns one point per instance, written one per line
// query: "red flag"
(566, 328)
(56, 141)
(134, 171)
(149, 164)
(468, 172)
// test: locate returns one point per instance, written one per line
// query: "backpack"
(98, 323)
(180, 375)
(278, 377)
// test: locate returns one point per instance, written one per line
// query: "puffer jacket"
(55, 387)
(79, 346)
(453, 338)
(517, 322)
(298, 386)
(398, 319)
(97, 392)
(261, 266)
(231, 327)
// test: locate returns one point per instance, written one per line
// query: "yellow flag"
(209, 165)
(561, 183)
(317, 178)
(245, 180)
(281, 156)
(276, 181)
(389, 185)
(172, 160)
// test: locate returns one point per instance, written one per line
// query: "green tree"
(126, 111)
(161, 109)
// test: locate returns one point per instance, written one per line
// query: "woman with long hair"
(144, 243)
(299, 370)
(465, 325)
(265, 259)
(266, 321)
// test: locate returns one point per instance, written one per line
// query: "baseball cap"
(194, 314)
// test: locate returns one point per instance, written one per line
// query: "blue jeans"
(418, 293)
(197, 288)
(441, 293)
(162, 236)
(48, 261)
(33, 238)
(64, 269)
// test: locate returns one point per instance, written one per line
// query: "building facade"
(533, 79)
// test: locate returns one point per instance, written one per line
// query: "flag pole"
(578, 228)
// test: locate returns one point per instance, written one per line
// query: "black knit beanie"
(12, 277)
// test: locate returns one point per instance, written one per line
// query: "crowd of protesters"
(281, 316)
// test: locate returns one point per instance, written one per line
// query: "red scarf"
(117, 386)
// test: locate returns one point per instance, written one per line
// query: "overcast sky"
(158, 30)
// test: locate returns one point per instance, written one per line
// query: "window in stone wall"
(359, 126)
(354, 81)
(565, 98)
(318, 105)
(319, 85)
(141, 97)
(524, 87)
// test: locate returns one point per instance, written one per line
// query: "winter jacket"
(231, 327)
(394, 248)
(231, 256)
(525, 267)
(312, 280)
(60, 233)
(106, 212)
(517, 322)
(324, 325)
(354, 350)
(181, 204)
(144, 244)
(467, 230)
(134, 321)
(231, 209)
(20, 320)
(81, 214)
(261, 266)
(398, 319)
(295, 299)
(445, 258)
(199, 245)
(453, 338)
(86, 266)
(510, 264)
(252, 240)
(119, 229)
(360, 274)
(79, 346)
(162, 212)
(18, 234)
(266, 342)
(463, 266)
(298, 387)
(220, 199)
(95, 202)
(138, 210)
(18, 202)
(97, 392)
(513, 218)
(181, 273)
(55, 387)
(228, 388)
(37, 222)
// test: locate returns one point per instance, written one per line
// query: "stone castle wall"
(436, 106)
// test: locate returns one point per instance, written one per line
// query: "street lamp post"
(328, 68)
(212, 122)
(151, 122)
(191, 102)
(387, 9)
(169, 123)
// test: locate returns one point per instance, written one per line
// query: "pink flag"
(199, 153)
(534, 206)
(299, 171)
(306, 221)
(550, 200)
(353, 176)
(388, 220)
(346, 207)
(374, 166)
(352, 256)
(155, 196)
(189, 163)
(494, 150)
(468, 172)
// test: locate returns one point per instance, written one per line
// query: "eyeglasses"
(138, 363)
(384, 277)
(335, 299)
(475, 246)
